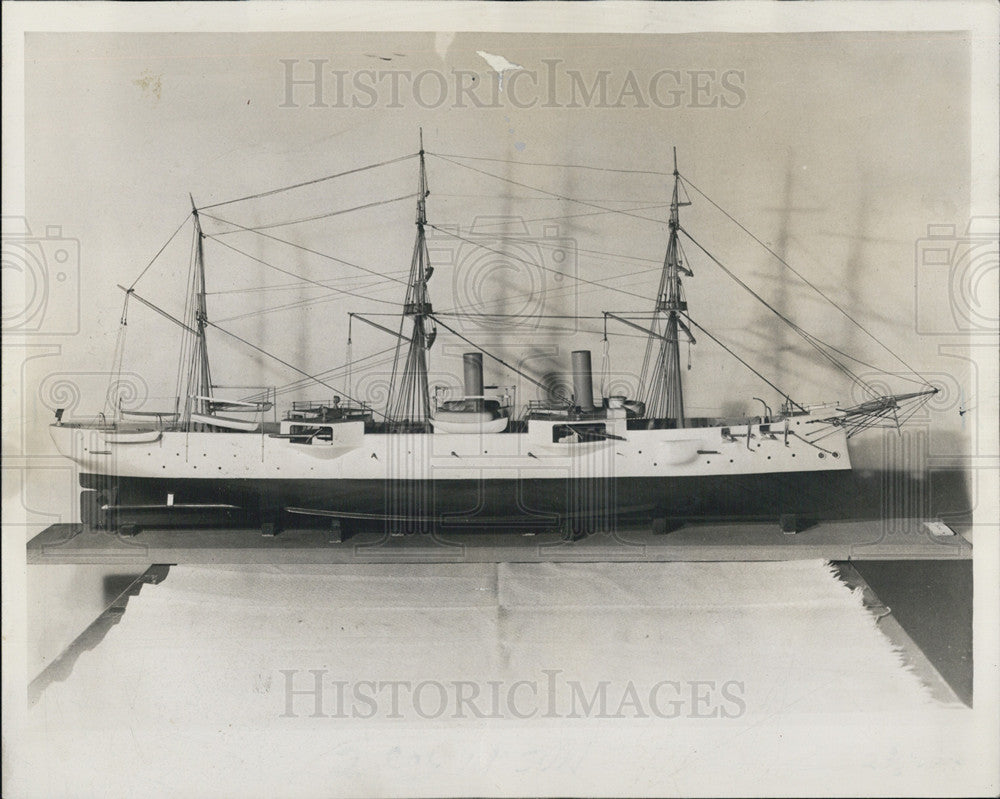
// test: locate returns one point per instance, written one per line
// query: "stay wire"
(738, 358)
(558, 166)
(317, 217)
(300, 277)
(801, 277)
(537, 265)
(551, 193)
(310, 182)
(160, 251)
(809, 338)
(290, 366)
(305, 249)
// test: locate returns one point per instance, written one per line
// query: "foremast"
(199, 382)
(410, 399)
(662, 375)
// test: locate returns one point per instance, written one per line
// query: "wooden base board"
(899, 539)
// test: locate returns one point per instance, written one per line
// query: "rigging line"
(377, 326)
(295, 385)
(525, 331)
(322, 216)
(537, 265)
(555, 245)
(516, 198)
(288, 306)
(300, 384)
(300, 277)
(304, 249)
(738, 358)
(298, 284)
(190, 317)
(560, 166)
(311, 182)
(501, 315)
(546, 389)
(553, 294)
(336, 370)
(809, 338)
(556, 293)
(917, 408)
(573, 216)
(160, 251)
(118, 358)
(286, 363)
(807, 282)
(649, 333)
(264, 395)
(552, 193)
(873, 367)
(185, 343)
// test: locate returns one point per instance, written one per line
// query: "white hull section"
(352, 454)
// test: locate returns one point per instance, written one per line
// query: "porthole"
(822, 455)
(793, 454)
(769, 457)
(836, 454)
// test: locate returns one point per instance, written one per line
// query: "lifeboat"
(469, 416)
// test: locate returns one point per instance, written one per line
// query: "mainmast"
(200, 376)
(665, 398)
(410, 401)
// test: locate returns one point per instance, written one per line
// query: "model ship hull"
(496, 504)
(536, 477)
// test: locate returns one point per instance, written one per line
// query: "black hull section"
(519, 504)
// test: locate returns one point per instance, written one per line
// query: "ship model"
(476, 457)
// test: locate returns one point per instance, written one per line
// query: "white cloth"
(578, 679)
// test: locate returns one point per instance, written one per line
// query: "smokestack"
(473, 364)
(583, 381)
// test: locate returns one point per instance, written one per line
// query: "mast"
(200, 380)
(410, 400)
(665, 395)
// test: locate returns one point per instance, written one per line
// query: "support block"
(789, 523)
